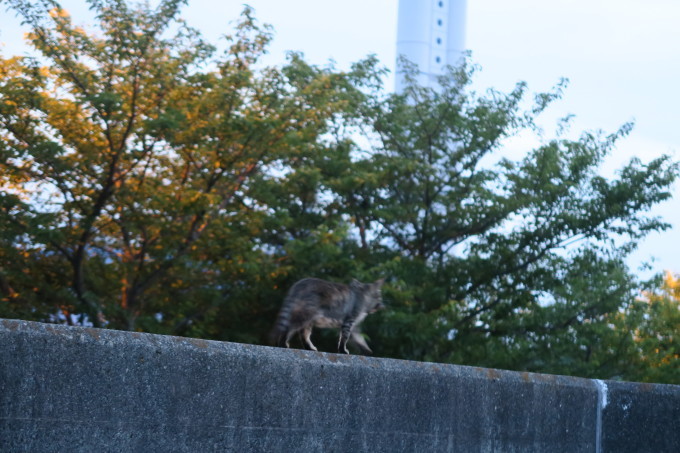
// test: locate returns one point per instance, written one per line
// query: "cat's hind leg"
(285, 338)
(307, 336)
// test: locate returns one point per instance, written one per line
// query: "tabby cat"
(312, 302)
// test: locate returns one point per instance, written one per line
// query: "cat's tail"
(279, 332)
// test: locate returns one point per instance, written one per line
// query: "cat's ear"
(379, 282)
(355, 283)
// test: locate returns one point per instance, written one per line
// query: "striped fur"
(312, 302)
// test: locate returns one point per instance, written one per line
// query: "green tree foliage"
(513, 264)
(654, 320)
(151, 182)
(132, 154)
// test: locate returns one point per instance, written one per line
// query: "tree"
(654, 321)
(132, 155)
(153, 183)
(512, 264)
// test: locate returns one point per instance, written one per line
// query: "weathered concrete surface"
(641, 417)
(88, 390)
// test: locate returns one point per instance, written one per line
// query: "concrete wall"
(65, 389)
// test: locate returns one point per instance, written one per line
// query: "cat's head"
(376, 295)
(372, 294)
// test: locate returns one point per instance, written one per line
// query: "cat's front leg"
(345, 333)
(360, 341)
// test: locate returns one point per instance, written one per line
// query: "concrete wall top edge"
(82, 389)
(115, 338)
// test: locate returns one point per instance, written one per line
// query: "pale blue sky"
(622, 58)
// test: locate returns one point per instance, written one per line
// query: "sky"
(622, 58)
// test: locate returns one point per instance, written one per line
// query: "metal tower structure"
(431, 34)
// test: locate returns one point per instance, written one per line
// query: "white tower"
(431, 34)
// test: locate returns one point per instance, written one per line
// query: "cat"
(312, 302)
